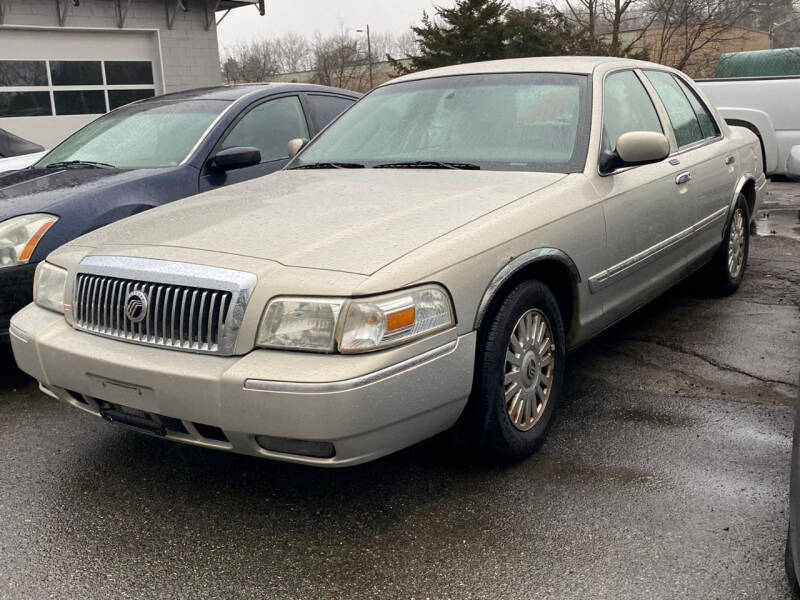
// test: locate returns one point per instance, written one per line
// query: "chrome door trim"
(682, 178)
(632, 264)
(327, 387)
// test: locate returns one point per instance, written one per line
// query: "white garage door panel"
(73, 44)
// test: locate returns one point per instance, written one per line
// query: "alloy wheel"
(736, 244)
(529, 369)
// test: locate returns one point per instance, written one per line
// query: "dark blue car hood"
(38, 190)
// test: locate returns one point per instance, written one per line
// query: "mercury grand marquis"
(423, 265)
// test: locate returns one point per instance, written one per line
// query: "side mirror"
(635, 148)
(793, 163)
(235, 158)
(296, 145)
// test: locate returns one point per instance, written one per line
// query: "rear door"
(324, 108)
(707, 162)
(268, 126)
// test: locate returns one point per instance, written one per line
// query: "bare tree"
(691, 33)
(294, 53)
(339, 63)
(251, 62)
(614, 27)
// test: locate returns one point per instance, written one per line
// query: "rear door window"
(327, 108)
(707, 123)
(681, 114)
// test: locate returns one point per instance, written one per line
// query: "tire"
(501, 421)
(726, 269)
(788, 562)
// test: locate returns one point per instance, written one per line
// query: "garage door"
(52, 82)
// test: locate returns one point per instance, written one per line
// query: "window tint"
(327, 108)
(75, 72)
(82, 102)
(684, 121)
(18, 73)
(269, 127)
(626, 107)
(707, 123)
(129, 72)
(117, 98)
(24, 104)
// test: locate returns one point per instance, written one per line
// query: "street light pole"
(369, 54)
(774, 26)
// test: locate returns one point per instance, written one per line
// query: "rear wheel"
(519, 376)
(726, 268)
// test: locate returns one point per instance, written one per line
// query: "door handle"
(684, 177)
(730, 160)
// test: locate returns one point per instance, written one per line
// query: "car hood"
(37, 190)
(341, 219)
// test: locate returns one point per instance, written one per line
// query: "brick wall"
(190, 53)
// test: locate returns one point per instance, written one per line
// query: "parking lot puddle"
(783, 222)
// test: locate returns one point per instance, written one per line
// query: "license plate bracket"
(132, 417)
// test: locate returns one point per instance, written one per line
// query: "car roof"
(541, 64)
(238, 91)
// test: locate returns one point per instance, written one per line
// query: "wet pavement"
(665, 476)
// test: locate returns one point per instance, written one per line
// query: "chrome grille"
(176, 316)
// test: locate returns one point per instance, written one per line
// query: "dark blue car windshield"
(151, 134)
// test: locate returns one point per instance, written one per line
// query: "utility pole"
(775, 26)
(369, 54)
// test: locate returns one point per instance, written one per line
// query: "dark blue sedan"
(144, 155)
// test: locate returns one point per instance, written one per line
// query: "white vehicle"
(767, 106)
(15, 163)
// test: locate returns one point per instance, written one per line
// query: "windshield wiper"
(428, 164)
(80, 164)
(330, 165)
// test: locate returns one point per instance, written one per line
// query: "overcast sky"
(325, 16)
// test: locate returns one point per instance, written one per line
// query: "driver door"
(645, 211)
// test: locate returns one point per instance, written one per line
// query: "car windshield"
(151, 134)
(515, 121)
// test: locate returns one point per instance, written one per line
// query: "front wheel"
(726, 268)
(519, 376)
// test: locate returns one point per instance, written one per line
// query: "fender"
(740, 183)
(513, 267)
(762, 123)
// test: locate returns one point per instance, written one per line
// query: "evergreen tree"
(471, 31)
(544, 31)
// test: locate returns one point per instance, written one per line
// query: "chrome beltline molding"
(262, 385)
(630, 265)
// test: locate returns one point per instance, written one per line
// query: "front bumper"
(16, 290)
(366, 405)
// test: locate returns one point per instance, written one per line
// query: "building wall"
(190, 53)
(703, 60)
(183, 57)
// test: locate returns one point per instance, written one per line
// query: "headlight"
(355, 325)
(48, 286)
(19, 236)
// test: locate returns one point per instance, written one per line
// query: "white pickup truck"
(769, 107)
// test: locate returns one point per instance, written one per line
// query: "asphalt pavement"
(665, 476)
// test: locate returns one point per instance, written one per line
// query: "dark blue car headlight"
(20, 235)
